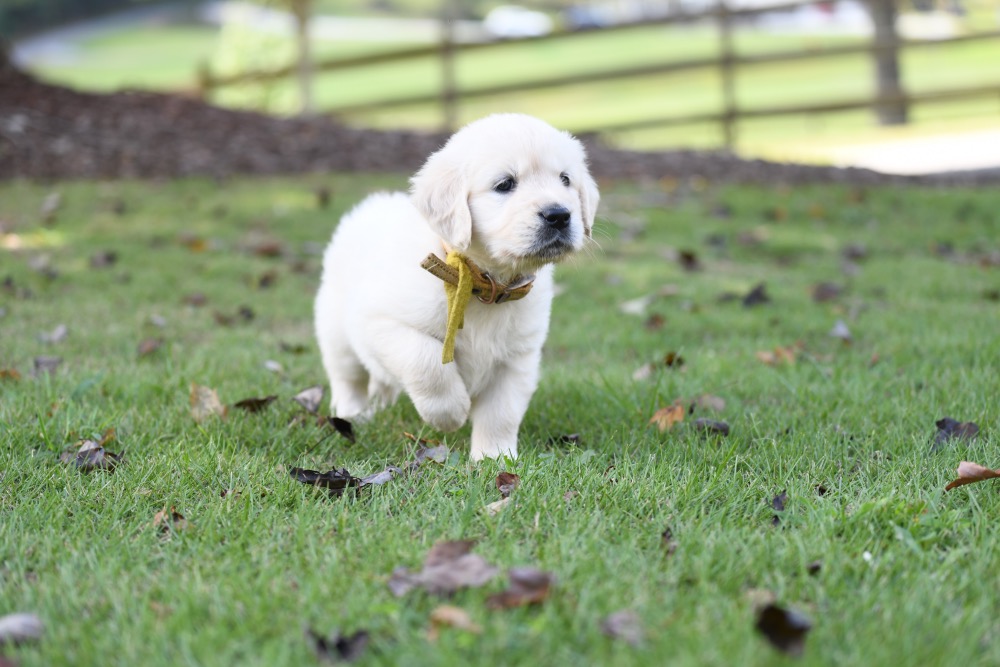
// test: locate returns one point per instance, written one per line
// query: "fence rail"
(882, 48)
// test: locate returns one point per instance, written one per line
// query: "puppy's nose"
(556, 217)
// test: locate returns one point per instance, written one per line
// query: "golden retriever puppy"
(445, 294)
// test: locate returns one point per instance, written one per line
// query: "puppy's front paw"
(445, 413)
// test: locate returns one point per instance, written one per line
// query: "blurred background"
(901, 86)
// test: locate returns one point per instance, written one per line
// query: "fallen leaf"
(567, 439)
(814, 567)
(90, 456)
(342, 426)
(148, 346)
(57, 335)
(205, 403)
(969, 472)
(527, 586)
(448, 616)
(655, 322)
(841, 332)
(169, 521)
(624, 625)
(666, 417)
(756, 296)
(103, 259)
(438, 454)
(9, 374)
(668, 541)
(711, 427)
(949, 429)
(19, 628)
(786, 629)
(778, 505)
(673, 360)
(274, 366)
(334, 481)
(323, 195)
(780, 355)
(255, 404)
(50, 206)
(378, 478)
(823, 292)
(689, 260)
(494, 508)
(448, 567)
(709, 402)
(292, 348)
(46, 365)
(310, 398)
(195, 299)
(337, 647)
(507, 482)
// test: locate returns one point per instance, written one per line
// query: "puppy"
(445, 294)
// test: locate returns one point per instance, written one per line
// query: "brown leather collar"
(484, 286)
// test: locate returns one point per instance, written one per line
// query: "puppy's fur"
(380, 317)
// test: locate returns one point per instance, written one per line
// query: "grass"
(253, 569)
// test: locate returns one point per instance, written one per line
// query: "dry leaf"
(780, 355)
(709, 402)
(255, 404)
(841, 332)
(310, 398)
(338, 647)
(205, 403)
(949, 429)
(668, 542)
(57, 335)
(334, 481)
(90, 456)
(969, 472)
(342, 426)
(527, 586)
(19, 628)
(170, 521)
(507, 482)
(823, 292)
(448, 567)
(778, 505)
(711, 427)
(666, 417)
(756, 296)
(46, 365)
(148, 346)
(785, 628)
(9, 374)
(448, 616)
(624, 625)
(494, 508)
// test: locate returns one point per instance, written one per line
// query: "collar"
(484, 287)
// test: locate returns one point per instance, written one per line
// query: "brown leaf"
(668, 541)
(169, 521)
(624, 625)
(780, 355)
(689, 260)
(338, 647)
(255, 404)
(823, 292)
(205, 403)
(666, 417)
(195, 299)
(527, 586)
(969, 473)
(334, 481)
(494, 508)
(103, 259)
(711, 427)
(786, 629)
(756, 296)
(507, 482)
(448, 616)
(949, 429)
(448, 567)
(20, 628)
(46, 365)
(342, 426)
(310, 398)
(90, 456)
(709, 402)
(148, 346)
(655, 322)
(778, 505)
(9, 374)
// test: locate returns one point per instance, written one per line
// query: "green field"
(888, 567)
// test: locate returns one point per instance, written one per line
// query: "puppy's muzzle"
(556, 217)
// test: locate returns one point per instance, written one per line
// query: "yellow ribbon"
(458, 300)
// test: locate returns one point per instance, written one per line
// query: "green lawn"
(905, 570)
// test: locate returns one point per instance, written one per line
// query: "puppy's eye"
(506, 185)
(565, 178)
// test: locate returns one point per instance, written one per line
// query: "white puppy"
(508, 195)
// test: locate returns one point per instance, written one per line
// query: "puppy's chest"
(493, 335)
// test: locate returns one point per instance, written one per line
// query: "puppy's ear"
(589, 197)
(440, 192)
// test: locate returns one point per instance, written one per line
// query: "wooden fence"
(890, 101)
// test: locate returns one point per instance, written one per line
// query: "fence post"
(891, 106)
(727, 76)
(448, 93)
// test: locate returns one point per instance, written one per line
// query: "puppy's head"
(510, 191)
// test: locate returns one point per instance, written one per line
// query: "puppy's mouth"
(551, 244)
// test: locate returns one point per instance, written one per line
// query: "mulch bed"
(49, 132)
